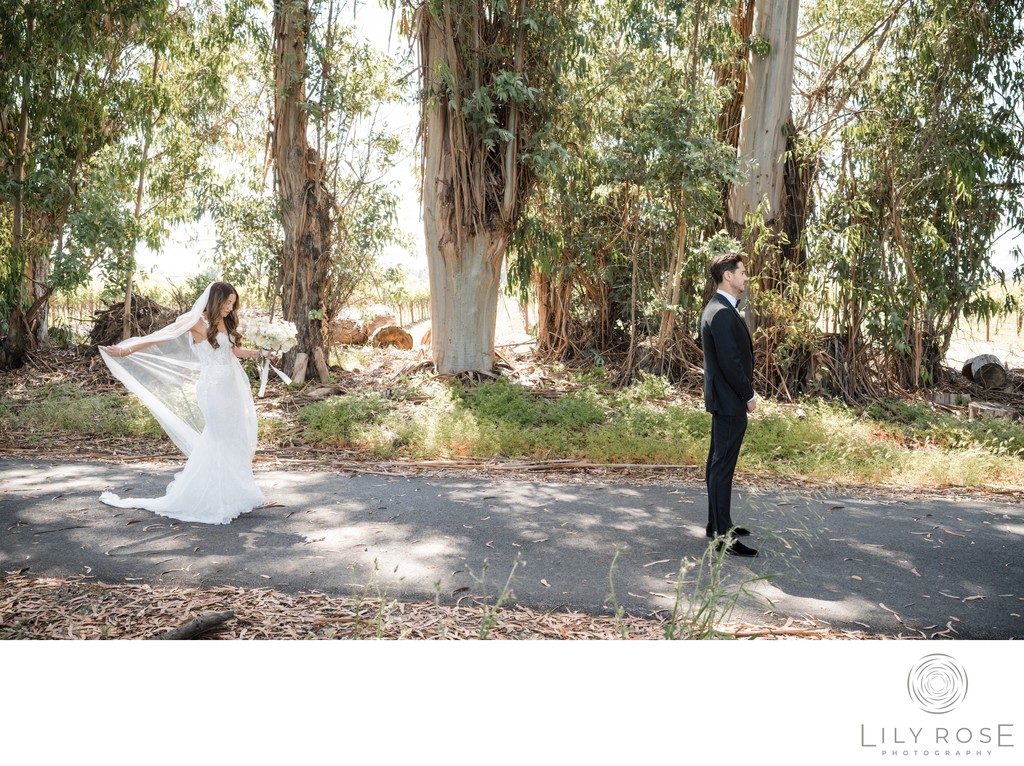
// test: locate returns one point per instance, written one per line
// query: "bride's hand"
(116, 351)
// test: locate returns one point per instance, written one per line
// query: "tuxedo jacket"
(728, 358)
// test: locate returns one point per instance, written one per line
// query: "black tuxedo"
(728, 386)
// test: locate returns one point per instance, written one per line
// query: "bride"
(189, 376)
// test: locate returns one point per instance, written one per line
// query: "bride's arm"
(124, 350)
(198, 333)
(249, 353)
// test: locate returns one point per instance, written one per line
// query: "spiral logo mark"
(937, 683)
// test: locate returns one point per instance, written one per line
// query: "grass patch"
(892, 442)
(648, 422)
(921, 425)
(501, 419)
(64, 407)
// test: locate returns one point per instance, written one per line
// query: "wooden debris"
(985, 370)
(321, 365)
(145, 317)
(951, 399)
(382, 318)
(391, 336)
(48, 608)
(323, 392)
(198, 626)
(978, 410)
(347, 332)
(299, 368)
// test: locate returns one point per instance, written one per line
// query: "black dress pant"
(726, 438)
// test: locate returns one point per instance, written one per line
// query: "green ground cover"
(649, 422)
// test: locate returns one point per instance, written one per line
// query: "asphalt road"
(886, 564)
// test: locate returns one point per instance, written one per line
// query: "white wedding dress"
(217, 483)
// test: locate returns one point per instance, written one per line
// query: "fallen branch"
(767, 632)
(543, 465)
(199, 625)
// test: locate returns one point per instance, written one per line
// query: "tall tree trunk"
(766, 111)
(734, 73)
(767, 212)
(16, 343)
(305, 200)
(463, 296)
(126, 324)
(464, 269)
(468, 207)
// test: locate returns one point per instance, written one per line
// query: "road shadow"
(886, 565)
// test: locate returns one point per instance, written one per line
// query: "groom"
(728, 395)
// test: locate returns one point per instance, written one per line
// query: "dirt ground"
(1000, 338)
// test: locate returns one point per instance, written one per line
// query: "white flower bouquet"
(270, 335)
(276, 335)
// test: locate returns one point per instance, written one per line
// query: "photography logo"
(937, 683)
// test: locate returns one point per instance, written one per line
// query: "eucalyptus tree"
(330, 155)
(924, 173)
(69, 94)
(493, 75)
(616, 243)
(187, 117)
(765, 112)
(108, 94)
(306, 200)
(767, 209)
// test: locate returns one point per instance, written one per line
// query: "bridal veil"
(164, 375)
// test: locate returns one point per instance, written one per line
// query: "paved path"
(831, 556)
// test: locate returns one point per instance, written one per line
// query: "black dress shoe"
(735, 531)
(736, 548)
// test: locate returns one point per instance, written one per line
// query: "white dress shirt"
(734, 302)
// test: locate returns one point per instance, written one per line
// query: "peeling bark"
(306, 202)
(472, 192)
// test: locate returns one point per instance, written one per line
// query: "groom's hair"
(723, 263)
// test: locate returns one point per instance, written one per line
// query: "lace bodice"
(208, 355)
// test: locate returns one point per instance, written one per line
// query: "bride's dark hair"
(219, 293)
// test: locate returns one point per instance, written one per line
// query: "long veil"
(164, 375)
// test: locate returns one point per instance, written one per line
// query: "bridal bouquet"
(270, 335)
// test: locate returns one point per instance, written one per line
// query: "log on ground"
(978, 410)
(391, 337)
(985, 370)
(198, 626)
